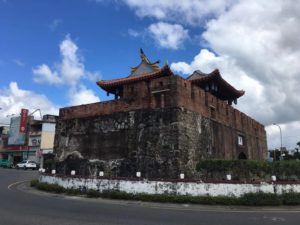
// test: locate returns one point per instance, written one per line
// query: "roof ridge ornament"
(145, 66)
(143, 56)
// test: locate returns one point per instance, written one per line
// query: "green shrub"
(291, 198)
(73, 191)
(34, 182)
(54, 188)
(93, 194)
(260, 199)
(249, 169)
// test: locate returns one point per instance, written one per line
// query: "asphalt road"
(19, 204)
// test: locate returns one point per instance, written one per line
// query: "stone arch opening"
(242, 155)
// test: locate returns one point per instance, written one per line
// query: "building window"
(157, 100)
(240, 140)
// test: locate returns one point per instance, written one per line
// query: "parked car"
(27, 165)
(6, 163)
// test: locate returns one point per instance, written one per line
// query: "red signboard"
(23, 120)
(16, 147)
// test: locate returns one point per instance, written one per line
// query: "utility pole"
(275, 124)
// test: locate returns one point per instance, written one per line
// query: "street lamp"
(275, 124)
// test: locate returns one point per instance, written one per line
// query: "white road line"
(16, 183)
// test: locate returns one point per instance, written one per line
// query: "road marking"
(225, 211)
(16, 183)
(194, 208)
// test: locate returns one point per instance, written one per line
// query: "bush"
(260, 199)
(72, 191)
(54, 188)
(291, 198)
(249, 169)
(34, 183)
(93, 194)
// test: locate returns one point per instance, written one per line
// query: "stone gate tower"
(159, 124)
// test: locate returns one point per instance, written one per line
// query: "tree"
(297, 153)
(275, 154)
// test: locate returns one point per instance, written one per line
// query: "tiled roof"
(108, 84)
(215, 76)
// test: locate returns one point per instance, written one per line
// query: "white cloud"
(71, 67)
(69, 71)
(43, 74)
(192, 12)
(168, 35)
(82, 96)
(134, 33)
(19, 62)
(12, 99)
(54, 24)
(94, 77)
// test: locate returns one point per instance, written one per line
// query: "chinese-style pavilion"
(145, 71)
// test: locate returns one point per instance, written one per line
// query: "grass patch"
(250, 199)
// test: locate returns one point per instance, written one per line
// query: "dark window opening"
(161, 83)
(242, 155)
(157, 101)
(212, 112)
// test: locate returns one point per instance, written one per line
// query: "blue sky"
(32, 31)
(53, 52)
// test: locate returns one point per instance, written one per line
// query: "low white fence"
(170, 187)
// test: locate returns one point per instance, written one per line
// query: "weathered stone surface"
(160, 143)
(123, 143)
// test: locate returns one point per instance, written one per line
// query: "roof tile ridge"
(166, 67)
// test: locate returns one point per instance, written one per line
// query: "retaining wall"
(192, 188)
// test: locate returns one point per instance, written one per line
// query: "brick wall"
(223, 122)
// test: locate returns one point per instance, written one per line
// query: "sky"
(53, 51)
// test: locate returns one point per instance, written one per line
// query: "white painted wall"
(178, 188)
